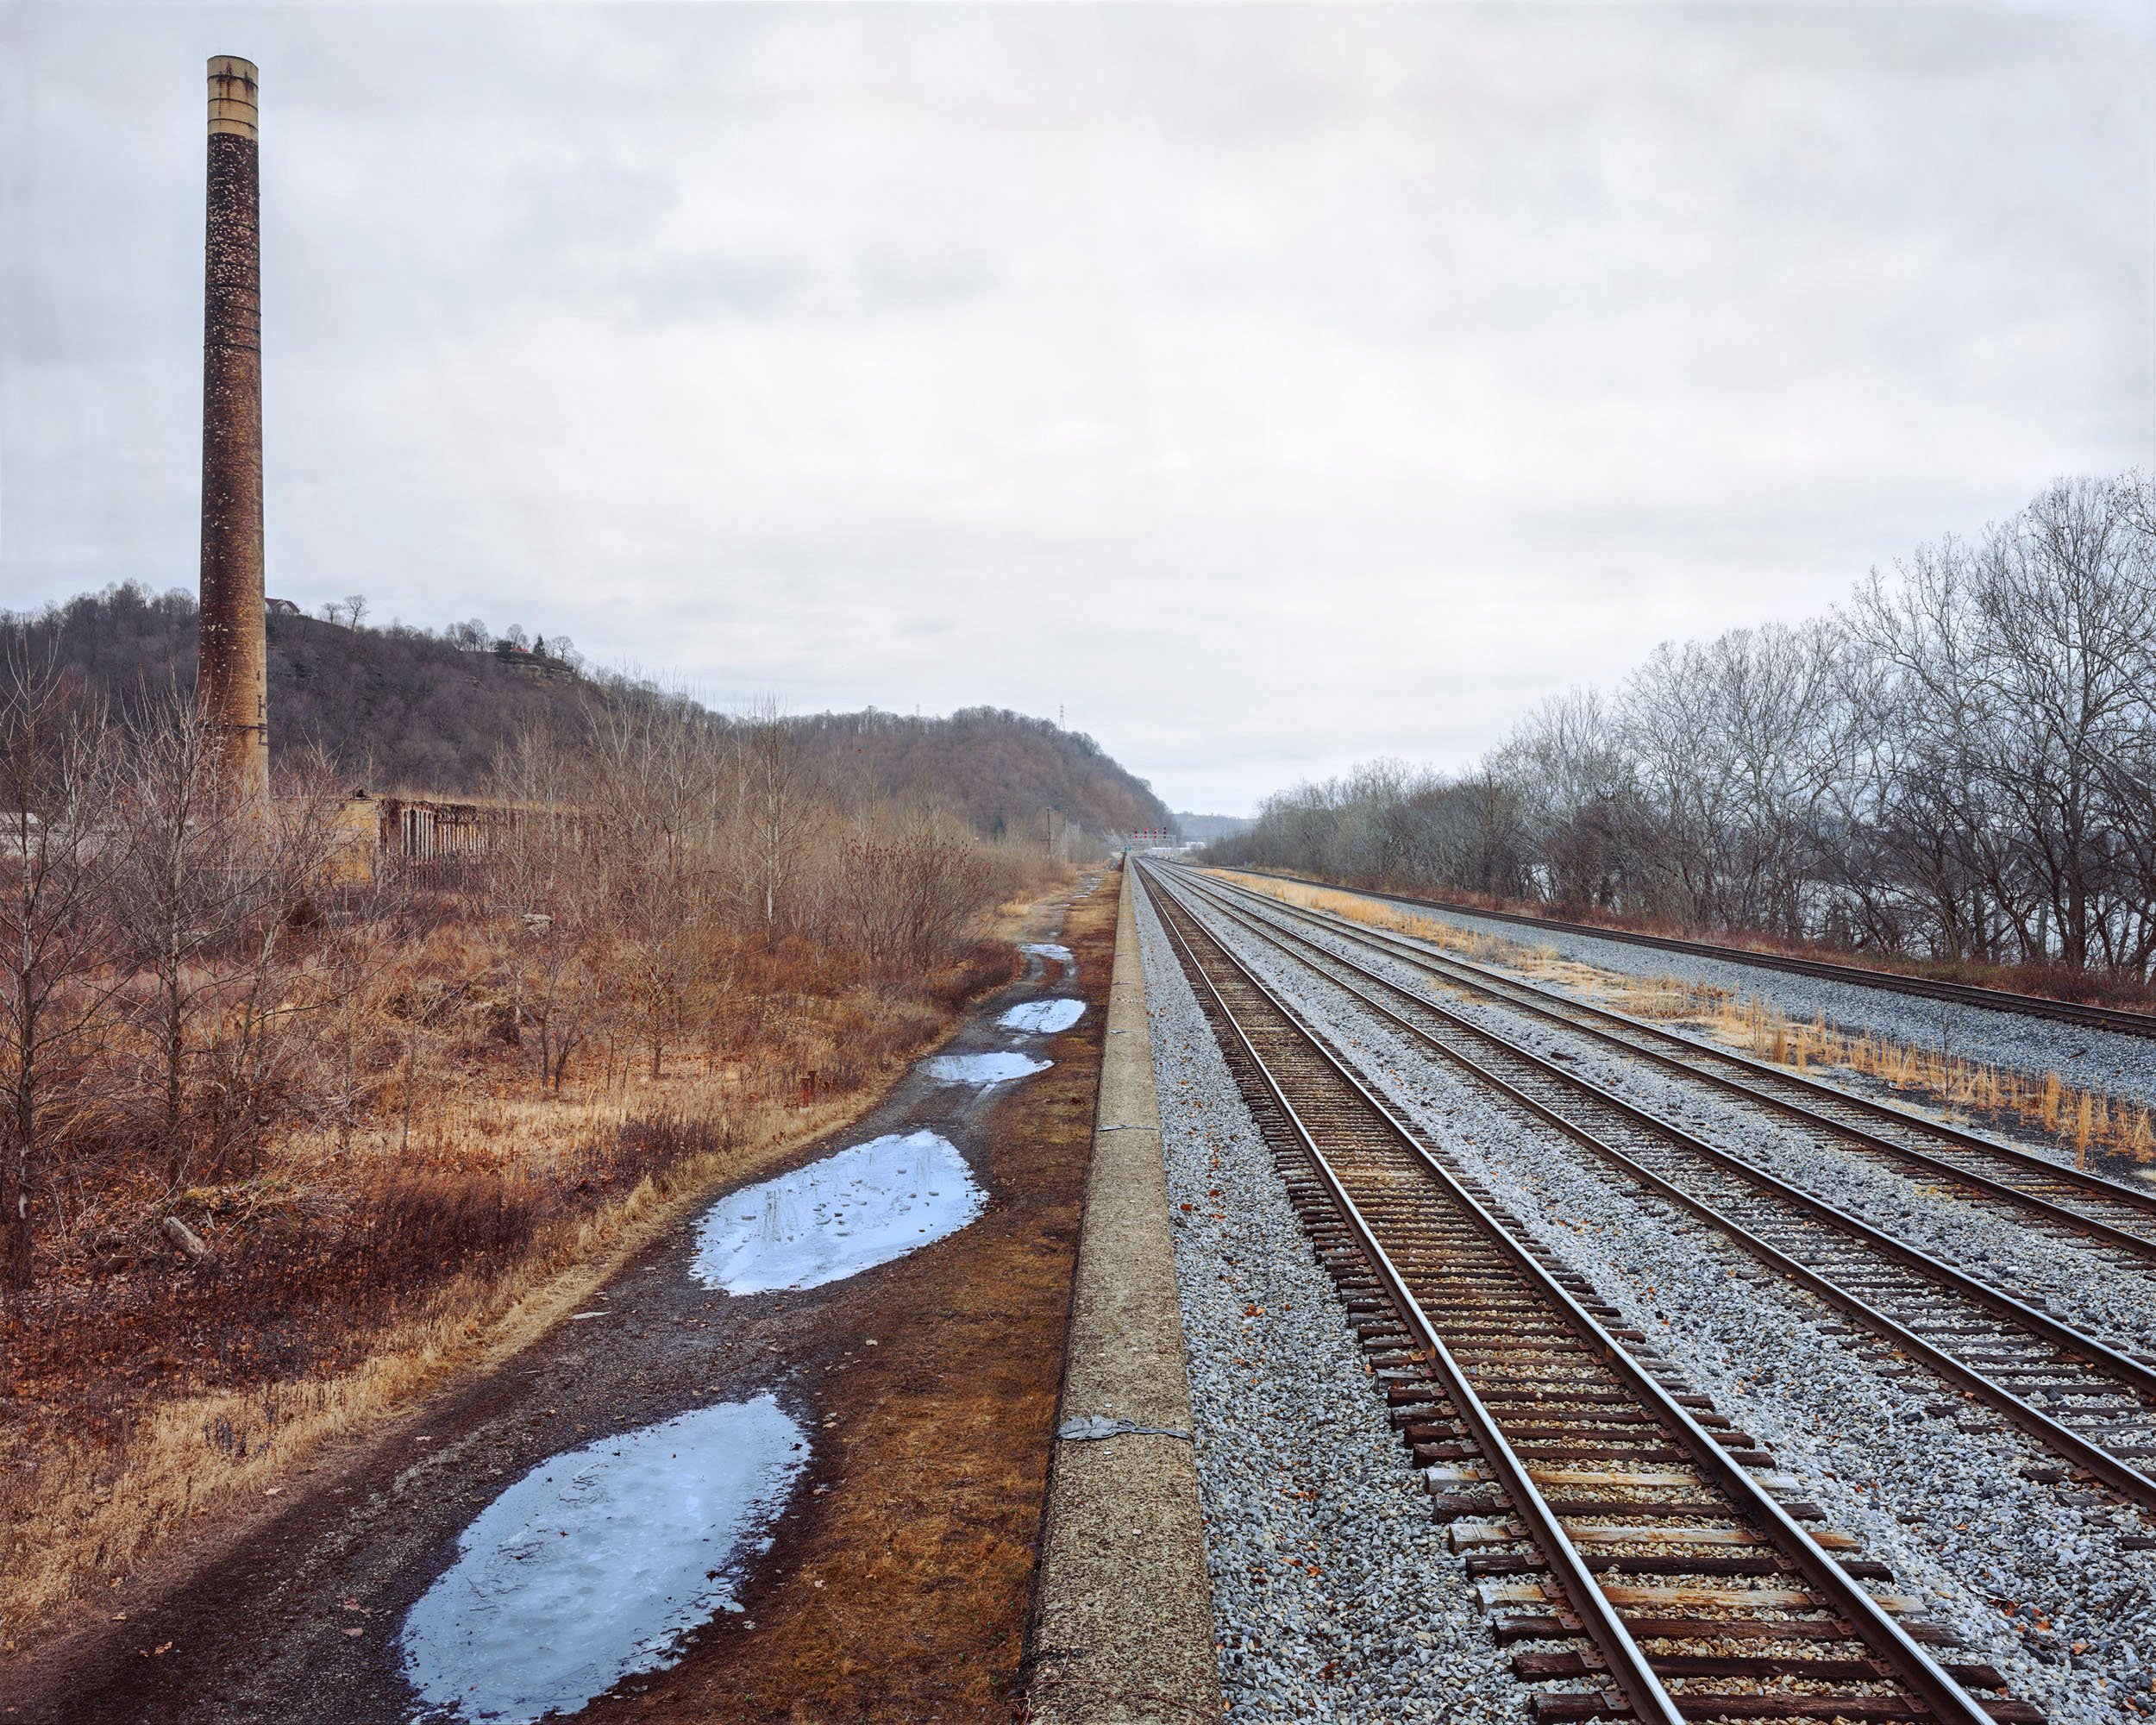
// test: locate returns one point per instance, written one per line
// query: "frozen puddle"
(851, 1211)
(596, 1564)
(983, 1069)
(1042, 949)
(1044, 1016)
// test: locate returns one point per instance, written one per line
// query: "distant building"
(280, 607)
(538, 663)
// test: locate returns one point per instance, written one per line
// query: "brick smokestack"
(232, 675)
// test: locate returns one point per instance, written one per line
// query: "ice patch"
(848, 1212)
(983, 1069)
(1048, 950)
(1044, 1016)
(596, 1564)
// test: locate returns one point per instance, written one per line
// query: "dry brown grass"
(2087, 1120)
(154, 1411)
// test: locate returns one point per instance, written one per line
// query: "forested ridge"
(1957, 765)
(401, 709)
(1002, 770)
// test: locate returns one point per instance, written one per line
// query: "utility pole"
(232, 653)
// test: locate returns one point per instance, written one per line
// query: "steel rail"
(1872, 1624)
(1628, 1665)
(2128, 1481)
(2121, 1020)
(1548, 1003)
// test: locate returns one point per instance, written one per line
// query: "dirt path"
(896, 1589)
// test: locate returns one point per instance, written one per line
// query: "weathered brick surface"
(233, 682)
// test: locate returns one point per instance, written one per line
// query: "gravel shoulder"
(2035, 1579)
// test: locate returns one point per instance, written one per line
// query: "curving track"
(1643, 1554)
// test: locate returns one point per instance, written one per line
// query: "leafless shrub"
(57, 921)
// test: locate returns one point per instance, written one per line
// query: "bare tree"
(547, 882)
(2018, 693)
(915, 882)
(209, 887)
(771, 811)
(656, 794)
(2067, 617)
(1579, 801)
(284, 862)
(57, 977)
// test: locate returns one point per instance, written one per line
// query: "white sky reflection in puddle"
(835, 1218)
(598, 1564)
(1044, 1016)
(1000, 1068)
(1062, 955)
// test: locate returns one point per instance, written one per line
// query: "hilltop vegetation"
(1004, 772)
(405, 709)
(395, 709)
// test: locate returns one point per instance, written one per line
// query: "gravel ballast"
(1983, 1237)
(1334, 1596)
(1940, 1497)
(2093, 1059)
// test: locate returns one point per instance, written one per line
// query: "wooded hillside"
(1000, 769)
(403, 709)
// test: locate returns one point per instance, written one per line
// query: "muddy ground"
(897, 1587)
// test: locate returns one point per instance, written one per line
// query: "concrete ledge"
(1122, 1616)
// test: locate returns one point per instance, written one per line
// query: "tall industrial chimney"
(233, 674)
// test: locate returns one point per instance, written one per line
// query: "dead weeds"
(151, 1410)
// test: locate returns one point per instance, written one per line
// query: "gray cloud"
(1272, 387)
(581, 203)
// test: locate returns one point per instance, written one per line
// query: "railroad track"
(2090, 1404)
(2047, 1195)
(1643, 1558)
(2119, 1019)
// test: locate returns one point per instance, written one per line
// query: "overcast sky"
(1270, 387)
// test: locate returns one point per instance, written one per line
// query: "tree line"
(1957, 764)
